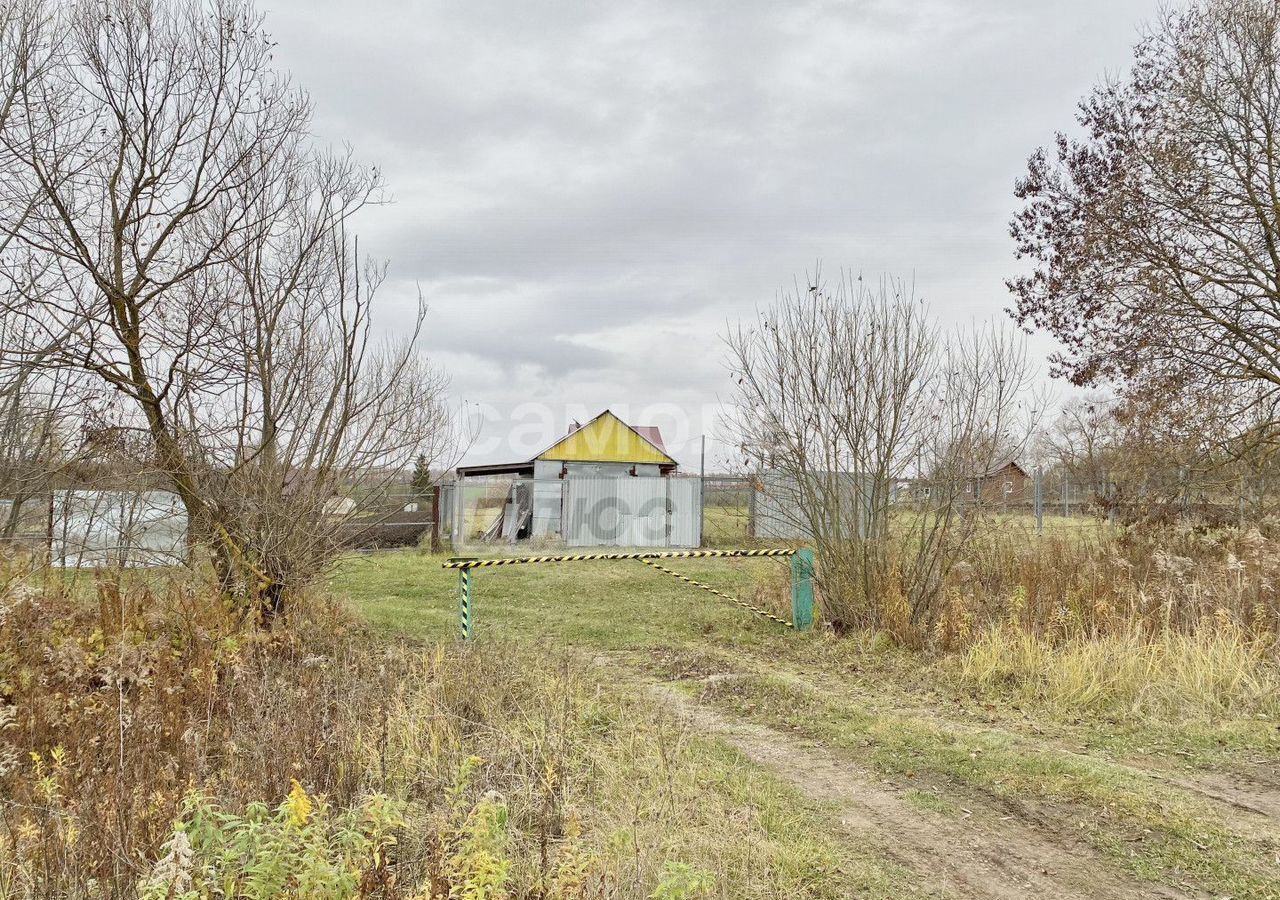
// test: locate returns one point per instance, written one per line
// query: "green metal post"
(464, 601)
(802, 589)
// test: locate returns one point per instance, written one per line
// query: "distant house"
(606, 447)
(1004, 482)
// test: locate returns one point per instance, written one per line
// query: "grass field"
(730, 525)
(906, 775)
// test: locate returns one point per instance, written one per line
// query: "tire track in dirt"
(1235, 790)
(1250, 803)
(985, 855)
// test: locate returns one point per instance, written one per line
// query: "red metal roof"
(652, 434)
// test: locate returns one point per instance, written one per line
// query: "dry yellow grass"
(1207, 673)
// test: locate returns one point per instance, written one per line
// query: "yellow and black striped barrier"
(706, 587)
(802, 564)
(468, 562)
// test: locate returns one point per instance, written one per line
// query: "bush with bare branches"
(856, 401)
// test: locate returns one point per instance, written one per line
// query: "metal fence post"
(460, 514)
(802, 589)
(1039, 499)
(435, 518)
(702, 492)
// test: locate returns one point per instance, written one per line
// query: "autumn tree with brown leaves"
(1155, 237)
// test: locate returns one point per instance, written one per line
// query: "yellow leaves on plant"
(28, 831)
(480, 866)
(298, 805)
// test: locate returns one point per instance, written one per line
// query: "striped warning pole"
(464, 602)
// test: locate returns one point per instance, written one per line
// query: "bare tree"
(1156, 236)
(19, 35)
(851, 401)
(36, 407)
(37, 433)
(175, 237)
(1083, 443)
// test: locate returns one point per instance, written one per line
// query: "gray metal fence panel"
(632, 512)
(118, 528)
(779, 510)
(448, 491)
(686, 512)
(547, 497)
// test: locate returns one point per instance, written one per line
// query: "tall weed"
(1208, 674)
(1099, 583)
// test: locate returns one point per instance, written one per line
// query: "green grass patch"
(607, 605)
(931, 800)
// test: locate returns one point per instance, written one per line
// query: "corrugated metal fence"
(632, 512)
(117, 528)
(781, 506)
(581, 511)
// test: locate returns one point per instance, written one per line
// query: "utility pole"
(702, 490)
(1039, 501)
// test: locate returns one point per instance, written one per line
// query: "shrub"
(1096, 582)
(304, 849)
(119, 696)
(681, 881)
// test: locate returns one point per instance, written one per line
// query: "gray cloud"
(586, 193)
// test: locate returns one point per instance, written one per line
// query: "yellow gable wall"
(606, 439)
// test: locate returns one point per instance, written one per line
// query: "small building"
(339, 507)
(1005, 482)
(605, 447)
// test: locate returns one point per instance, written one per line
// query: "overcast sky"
(586, 193)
